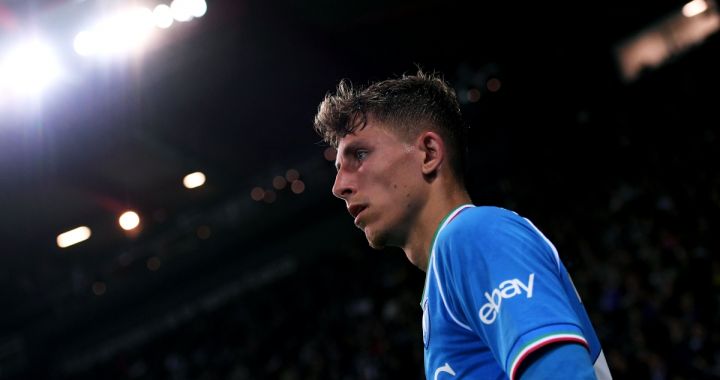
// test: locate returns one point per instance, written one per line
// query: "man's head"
(407, 106)
(395, 139)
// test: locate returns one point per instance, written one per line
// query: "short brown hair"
(407, 105)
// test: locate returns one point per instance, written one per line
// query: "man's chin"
(375, 241)
(375, 245)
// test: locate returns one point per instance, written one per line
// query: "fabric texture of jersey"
(495, 292)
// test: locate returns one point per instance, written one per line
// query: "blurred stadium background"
(598, 121)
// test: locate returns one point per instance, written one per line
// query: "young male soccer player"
(498, 302)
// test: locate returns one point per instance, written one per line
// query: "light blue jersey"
(495, 292)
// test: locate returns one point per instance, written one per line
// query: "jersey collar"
(444, 222)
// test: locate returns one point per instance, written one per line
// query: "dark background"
(622, 176)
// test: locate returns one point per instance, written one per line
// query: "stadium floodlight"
(668, 37)
(120, 33)
(86, 43)
(182, 10)
(73, 236)
(126, 30)
(186, 10)
(163, 16)
(694, 8)
(129, 220)
(28, 69)
(198, 8)
(194, 180)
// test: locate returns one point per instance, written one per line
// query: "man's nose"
(342, 187)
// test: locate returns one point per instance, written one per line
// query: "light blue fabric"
(565, 361)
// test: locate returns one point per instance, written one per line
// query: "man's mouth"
(355, 211)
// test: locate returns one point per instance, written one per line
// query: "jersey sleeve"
(572, 360)
(505, 281)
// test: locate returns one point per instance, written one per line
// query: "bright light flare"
(198, 8)
(186, 10)
(28, 69)
(181, 10)
(123, 32)
(194, 180)
(163, 16)
(129, 220)
(73, 236)
(86, 43)
(127, 30)
(694, 8)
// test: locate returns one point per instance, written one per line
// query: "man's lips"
(355, 211)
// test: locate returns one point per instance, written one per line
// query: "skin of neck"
(444, 194)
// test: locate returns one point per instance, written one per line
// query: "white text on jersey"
(507, 289)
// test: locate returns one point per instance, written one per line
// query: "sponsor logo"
(507, 289)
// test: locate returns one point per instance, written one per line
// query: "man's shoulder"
(479, 219)
(475, 226)
(491, 211)
(486, 228)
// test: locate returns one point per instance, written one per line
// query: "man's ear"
(433, 148)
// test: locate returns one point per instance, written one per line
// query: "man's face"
(380, 178)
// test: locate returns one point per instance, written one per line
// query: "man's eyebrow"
(353, 146)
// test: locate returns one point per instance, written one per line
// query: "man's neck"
(421, 235)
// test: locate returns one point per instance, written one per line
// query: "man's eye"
(361, 155)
